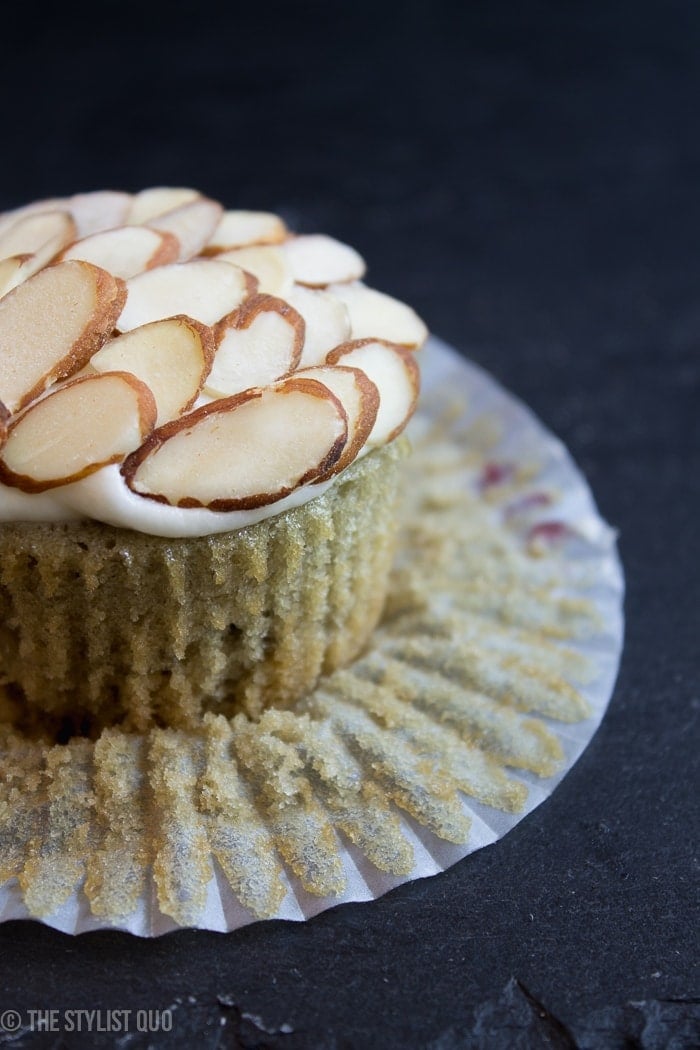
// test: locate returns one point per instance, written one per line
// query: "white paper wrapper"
(507, 601)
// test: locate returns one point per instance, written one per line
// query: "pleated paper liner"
(487, 678)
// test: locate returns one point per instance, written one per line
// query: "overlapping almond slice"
(318, 260)
(8, 218)
(267, 263)
(396, 375)
(126, 250)
(30, 243)
(52, 324)
(256, 344)
(327, 322)
(258, 447)
(238, 229)
(376, 315)
(100, 210)
(172, 357)
(48, 230)
(359, 397)
(83, 425)
(14, 271)
(149, 203)
(4, 420)
(204, 289)
(192, 223)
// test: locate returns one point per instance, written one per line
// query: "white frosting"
(104, 496)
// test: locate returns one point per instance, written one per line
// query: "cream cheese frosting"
(270, 322)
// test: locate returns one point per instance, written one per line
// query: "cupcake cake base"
(101, 626)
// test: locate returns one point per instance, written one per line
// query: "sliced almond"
(359, 397)
(72, 432)
(4, 420)
(126, 250)
(8, 218)
(48, 230)
(374, 315)
(171, 357)
(100, 210)
(256, 344)
(267, 263)
(242, 452)
(318, 260)
(237, 229)
(327, 322)
(52, 324)
(14, 271)
(192, 223)
(204, 289)
(396, 375)
(149, 203)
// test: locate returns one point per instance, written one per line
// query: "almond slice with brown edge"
(51, 325)
(256, 344)
(238, 229)
(172, 357)
(327, 322)
(149, 203)
(396, 375)
(126, 250)
(267, 263)
(204, 289)
(318, 260)
(192, 224)
(244, 451)
(19, 268)
(14, 271)
(83, 425)
(8, 218)
(4, 420)
(359, 397)
(99, 210)
(48, 230)
(374, 315)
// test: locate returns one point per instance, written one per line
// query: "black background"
(527, 175)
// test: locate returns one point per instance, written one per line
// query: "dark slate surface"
(528, 175)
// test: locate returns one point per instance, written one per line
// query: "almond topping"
(4, 419)
(48, 231)
(147, 204)
(52, 324)
(242, 452)
(14, 271)
(395, 373)
(238, 229)
(9, 218)
(204, 289)
(72, 432)
(172, 357)
(256, 344)
(327, 322)
(266, 263)
(359, 397)
(101, 210)
(126, 250)
(318, 260)
(374, 315)
(192, 224)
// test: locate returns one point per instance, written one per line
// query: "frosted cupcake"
(200, 420)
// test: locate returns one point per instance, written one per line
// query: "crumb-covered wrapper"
(486, 679)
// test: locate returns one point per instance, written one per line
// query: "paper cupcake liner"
(486, 679)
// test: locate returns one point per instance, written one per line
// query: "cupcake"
(200, 446)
